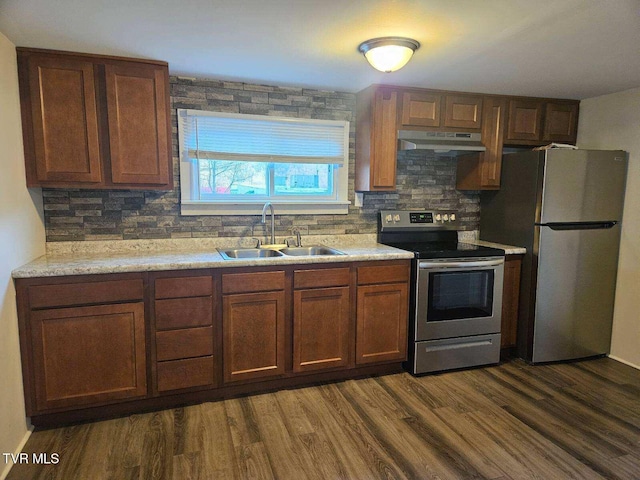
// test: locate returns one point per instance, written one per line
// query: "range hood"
(442, 143)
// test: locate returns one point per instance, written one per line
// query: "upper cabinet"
(463, 111)
(95, 122)
(382, 111)
(139, 138)
(525, 121)
(428, 109)
(537, 122)
(376, 139)
(502, 120)
(481, 171)
(561, 122)
(63, 124)
(421, 109)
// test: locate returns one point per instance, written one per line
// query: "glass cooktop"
(446, 249)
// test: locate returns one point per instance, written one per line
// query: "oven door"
(458, 297)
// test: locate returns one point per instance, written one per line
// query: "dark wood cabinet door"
(138, 112)
(253, 335)
(64, 124)
(381, 323)
(493, 126)
(421, 109)
(525, 121)
(510, 301)
(384, 149)
(88, 355)
(561, 122)
(376, 139)
(481, 171)
(463, 111)
(92, 121)
(320, 328)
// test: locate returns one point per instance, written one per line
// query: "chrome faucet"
(273, 220)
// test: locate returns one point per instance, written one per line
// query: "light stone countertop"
(102, 257)
(508, 249)
(144, 256)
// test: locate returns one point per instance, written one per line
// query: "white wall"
(613, 122)
(21, 240)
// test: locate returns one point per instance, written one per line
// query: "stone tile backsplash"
(424, 181)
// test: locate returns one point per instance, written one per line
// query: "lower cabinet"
(253, 325)
(321, 319)
(382, 311)
(510, 301)
(182, 321)
(88, 355)
(105, 345)
(84, 355)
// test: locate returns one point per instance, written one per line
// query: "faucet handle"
(296, 232)
(259, 242)
(288, 241)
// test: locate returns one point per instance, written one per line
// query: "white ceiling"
(556, 48)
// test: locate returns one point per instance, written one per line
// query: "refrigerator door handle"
(579, 225)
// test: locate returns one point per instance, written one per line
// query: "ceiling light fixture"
(388, 54)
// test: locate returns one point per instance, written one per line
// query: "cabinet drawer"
(450, 353)
(87, 293)
(192, 372)
(179, 287)
(183, 312)
(383, 274)
(252, 282)
(185, 343)
(321, 277)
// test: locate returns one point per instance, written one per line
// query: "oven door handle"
(482, 263)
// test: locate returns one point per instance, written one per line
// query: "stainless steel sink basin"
(242, 253)
(235, 253)
(313, 250)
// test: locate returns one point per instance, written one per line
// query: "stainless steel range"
(456, 294)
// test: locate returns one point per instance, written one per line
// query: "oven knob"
(396, 218)
(445, 218)
(452, 217)
(388, 218)
(438, 217)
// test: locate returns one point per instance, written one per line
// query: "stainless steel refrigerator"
(565, 207)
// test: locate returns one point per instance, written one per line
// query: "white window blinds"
(258, 138)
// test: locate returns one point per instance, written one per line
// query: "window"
(232, 164)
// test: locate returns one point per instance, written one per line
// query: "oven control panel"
(421, 217)
(418, 219)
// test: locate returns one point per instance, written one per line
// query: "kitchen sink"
(237, 253)
(243, 253)
(314, 250)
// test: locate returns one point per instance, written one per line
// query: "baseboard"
(7, 466)
(617, 359)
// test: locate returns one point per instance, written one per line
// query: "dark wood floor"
(513, 421)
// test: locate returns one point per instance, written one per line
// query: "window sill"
(255, 208)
